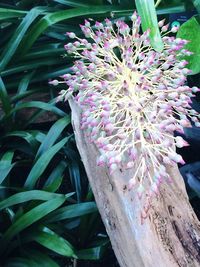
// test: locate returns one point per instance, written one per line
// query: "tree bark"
(168, 237)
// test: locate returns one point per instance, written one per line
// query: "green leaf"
(171, 9)
(56, 17)
(75, 178)
(72, 3)
(53, 135)
(54, 242)
(4, 98)
(6, 13)
(55, 179)
(95, 253)
(197, 5)
(23, 85)
(40, 258)
(146, 10)
(190, 30)
(72, 211)
(31, 65)
(28, 219)
(29, 136)
(55, 184)
(42, 162)
(37, 104)
(6, 165)
(17, 36)
(26, 196)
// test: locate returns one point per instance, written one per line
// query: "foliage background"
(48, 216)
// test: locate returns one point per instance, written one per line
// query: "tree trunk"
(169, 236)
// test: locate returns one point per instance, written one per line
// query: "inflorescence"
(132, 97)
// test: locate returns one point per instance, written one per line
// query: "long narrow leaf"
(6, 165)
(95, 253)
(72, 211)
(6, 13)
(55, 179)
(32, 65)
(26, 196)
(54, 242)
(53, 134)
(42, 163)
(146, 10)
(39, 105)
(40, 258)
(72, 3)
(4, 98)
(23, 85)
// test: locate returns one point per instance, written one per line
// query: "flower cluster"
(132, 98)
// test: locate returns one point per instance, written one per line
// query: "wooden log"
(168, 237)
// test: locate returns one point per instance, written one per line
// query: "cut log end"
(168, 235)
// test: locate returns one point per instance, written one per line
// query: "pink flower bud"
(71, 35)
(129, 165)
(195, 89)
(165, 28)
(161, 23)
(101, 160)
(175, 29)
(180, 142)
(54, 82)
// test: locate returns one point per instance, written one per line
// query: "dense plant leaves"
(18, 35)
(72, 211)
(23, 85)
(16, 68)
(147, 12)
(31, 137)
(40, 258)
(42, 163)
(37, 104)
(53, 134)
(56, 17)
(56, 177)
(52, 241)
(26, 196)
(4, 98)
(29, 218)
(6, 165)
(190, 30)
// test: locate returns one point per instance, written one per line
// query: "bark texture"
(168, 237)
